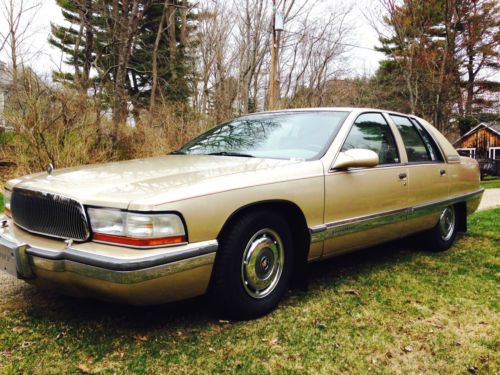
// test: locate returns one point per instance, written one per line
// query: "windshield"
(297, 135)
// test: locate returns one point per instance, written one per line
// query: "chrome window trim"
(378, 167)
(341, 227)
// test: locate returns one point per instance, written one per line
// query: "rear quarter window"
(419, 145)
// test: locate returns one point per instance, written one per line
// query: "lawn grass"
(491, 182)
(390, 309)
(1, 202)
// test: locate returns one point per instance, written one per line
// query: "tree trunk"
(89, 44)
(154, 86)
(172, 40)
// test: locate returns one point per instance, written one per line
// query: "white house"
(5, 81)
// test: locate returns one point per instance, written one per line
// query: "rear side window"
(417, 143)
(371, 131)
(429, 141)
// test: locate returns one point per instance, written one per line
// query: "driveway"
(491, 199)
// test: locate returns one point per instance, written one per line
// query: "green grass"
(389, 309)
(1, 203)
(491, 182)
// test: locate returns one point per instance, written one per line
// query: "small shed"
(482, 143)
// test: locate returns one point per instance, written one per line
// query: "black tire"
(232, 280)
(442, 236)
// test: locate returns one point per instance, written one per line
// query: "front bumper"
(108, 272)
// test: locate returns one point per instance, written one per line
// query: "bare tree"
(19, 17)
(123, 21)
(233, 49)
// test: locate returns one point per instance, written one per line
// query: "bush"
(68, 128)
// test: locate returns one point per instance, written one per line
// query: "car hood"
(145, 183)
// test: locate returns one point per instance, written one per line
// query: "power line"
(333, 42)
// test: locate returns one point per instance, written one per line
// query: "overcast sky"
(361, 60)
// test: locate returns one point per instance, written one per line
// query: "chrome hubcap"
(447, 223)
(262, 264)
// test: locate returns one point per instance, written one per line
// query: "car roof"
(329, 109)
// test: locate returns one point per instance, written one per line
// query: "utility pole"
(277, 28)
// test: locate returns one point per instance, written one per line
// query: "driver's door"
(366, 206)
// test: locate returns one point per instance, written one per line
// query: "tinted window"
(432, 148)
(300, 135)
(371, 131)
(416, 149)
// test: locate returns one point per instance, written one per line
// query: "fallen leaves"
(353, 292)
(472, 369)
(320, 324)
(140, 338)
(84, 368)
(19, 329)
(407, 349)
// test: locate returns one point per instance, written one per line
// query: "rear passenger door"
(427, 174)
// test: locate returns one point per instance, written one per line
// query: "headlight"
(7, 196)
(136, 230)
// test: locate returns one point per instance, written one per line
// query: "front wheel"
(254, 265)
(442, 236)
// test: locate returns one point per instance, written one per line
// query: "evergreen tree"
(158, 56)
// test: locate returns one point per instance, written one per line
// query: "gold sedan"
(240, 210)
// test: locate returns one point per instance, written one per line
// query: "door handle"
(402, 176)
(442, 172)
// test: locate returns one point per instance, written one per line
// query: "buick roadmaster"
(239, 211)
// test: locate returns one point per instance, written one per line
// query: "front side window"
(417, 148)
(371, 131)
(298, 135)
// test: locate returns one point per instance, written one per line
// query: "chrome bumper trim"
(124, 277)
(23, 267)
(338, 228)
(118, 270)
(120, 264)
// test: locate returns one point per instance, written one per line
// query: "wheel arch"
(298, 225)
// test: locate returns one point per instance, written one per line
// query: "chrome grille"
(49, 214)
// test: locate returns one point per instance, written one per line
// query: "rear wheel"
(442, 236)
(253, 266)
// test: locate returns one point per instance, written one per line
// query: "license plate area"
(8, 261)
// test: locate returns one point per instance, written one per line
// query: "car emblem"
(50, 169)
(264, 263)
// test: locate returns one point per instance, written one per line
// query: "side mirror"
(356, 158)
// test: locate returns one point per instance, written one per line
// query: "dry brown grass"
(392, 309)
(67, 128)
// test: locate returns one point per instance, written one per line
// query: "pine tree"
(75, 41)
(158, 55)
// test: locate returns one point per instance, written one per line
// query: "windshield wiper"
(229, 153)
(178, 152)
